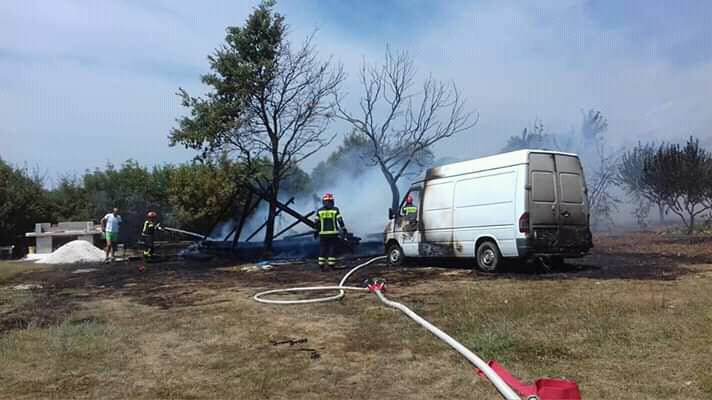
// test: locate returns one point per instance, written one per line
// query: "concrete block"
(42, 227)
(72, 225)
(86, 238)
(44, 245)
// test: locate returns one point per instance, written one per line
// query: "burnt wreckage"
(302, 244)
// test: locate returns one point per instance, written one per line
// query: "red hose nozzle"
(377, 285)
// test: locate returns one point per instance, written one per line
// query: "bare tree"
(602, 177)
(600, 166)
(401, 123)
(270, 102)
(593, 124)
(531, 138)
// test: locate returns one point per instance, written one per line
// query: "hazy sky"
(86, 82)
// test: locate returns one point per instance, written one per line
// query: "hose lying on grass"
(340, 288)
(377, 288)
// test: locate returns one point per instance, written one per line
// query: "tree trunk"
(395, 195)
(269, 229)
(691, 228)
(661, 212)
(393, 184)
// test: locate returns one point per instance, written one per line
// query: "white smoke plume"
(363, 201)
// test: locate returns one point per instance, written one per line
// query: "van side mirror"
(391, 213)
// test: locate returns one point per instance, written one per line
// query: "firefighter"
(409, 210)
(150, 226)
(329, 223)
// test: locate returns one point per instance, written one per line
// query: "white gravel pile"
(76, 251)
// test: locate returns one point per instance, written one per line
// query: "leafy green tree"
(23, 202)
(69, 200)
(203, 193)
(267, 100)
(631, 175)
(682, 177)
(134, 189)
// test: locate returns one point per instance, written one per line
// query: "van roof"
(482, 164)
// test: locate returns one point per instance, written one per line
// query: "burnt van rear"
(556, 220)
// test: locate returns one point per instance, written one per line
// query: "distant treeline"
(192, 196)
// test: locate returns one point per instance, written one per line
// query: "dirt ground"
(631, 321)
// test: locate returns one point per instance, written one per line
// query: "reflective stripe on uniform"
(148, 228)
(328, 221)
(410, 210)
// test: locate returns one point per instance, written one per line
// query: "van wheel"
(488, 256)
(395, 256)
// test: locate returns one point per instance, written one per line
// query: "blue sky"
(84, 83)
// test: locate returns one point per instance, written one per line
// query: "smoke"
(222, 230)
(363, 196)
(600, 164)
(363, 200)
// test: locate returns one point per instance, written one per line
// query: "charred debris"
(238, 242)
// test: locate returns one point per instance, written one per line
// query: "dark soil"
(175, 283)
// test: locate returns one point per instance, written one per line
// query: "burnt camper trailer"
(521, 204)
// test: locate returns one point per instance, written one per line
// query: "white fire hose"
(507, 392)
(197, 235)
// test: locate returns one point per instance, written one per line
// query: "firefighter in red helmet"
(329, 224)
(409, 209)
(150, 226)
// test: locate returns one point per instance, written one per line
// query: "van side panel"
(437, 212)
(521, 201)
(485, 206)
(463, 202)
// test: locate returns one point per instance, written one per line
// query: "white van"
(526, 203)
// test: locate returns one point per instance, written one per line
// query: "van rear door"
(543, 202)
(558, 212)
(574, 232)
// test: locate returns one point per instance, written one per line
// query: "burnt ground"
(179, 283)
(189, 329)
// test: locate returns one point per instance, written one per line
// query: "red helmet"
(328, 197)
(152, 215)
(409, 199)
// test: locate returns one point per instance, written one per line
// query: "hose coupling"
(377, 285)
